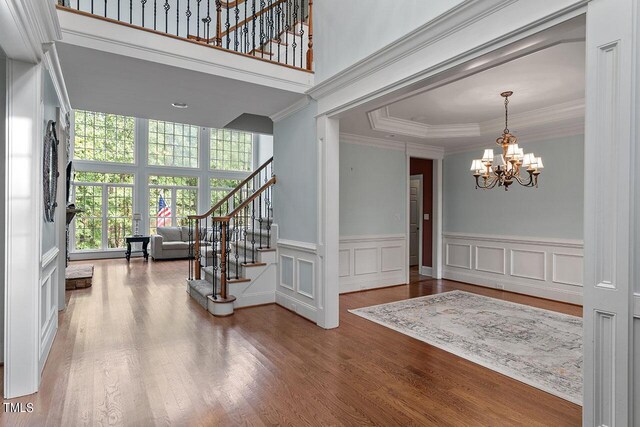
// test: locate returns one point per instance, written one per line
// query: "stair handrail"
(244, 204)
(232, 192)
(222, 225)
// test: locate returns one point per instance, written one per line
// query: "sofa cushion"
(185, 233)
(172, 246)
(170, 234)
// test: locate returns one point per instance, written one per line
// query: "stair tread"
(202, 287)
(209, 271)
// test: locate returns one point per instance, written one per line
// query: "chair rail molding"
(547, 268)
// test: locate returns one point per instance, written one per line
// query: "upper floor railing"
(279, 31)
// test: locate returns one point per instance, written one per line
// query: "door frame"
(420, 215)
(436, 214)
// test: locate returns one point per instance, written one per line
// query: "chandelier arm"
(522, 182)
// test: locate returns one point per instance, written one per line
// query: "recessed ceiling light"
(179, 104)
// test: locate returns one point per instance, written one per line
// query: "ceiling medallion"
(508, 166)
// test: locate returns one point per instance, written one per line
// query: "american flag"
(164, 213)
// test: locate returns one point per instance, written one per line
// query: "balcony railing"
(279, 31)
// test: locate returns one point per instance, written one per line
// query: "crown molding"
(552, 119)
(454, 20)
(29, 28)
(410, 148)
(381, 120)
(291, 110)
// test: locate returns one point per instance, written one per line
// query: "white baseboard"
(514, 286)
(303, 309)
(259, 298)
(426, 271)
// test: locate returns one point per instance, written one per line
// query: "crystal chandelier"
(508, 166)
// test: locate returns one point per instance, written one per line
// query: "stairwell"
(232, 256)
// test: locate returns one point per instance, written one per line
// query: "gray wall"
(554, 210)
(373, 190)
(3, 201)
(295, 163)
(50, 101)
(348, 31)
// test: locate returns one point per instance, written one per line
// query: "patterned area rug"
(538, 347)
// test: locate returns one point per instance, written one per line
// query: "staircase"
(232, 263)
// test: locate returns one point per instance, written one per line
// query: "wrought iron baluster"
(188, 13)
(105, 8)
(269, 20)
(215, 259)
(236, 42)
(279, 27)
(78, 4)
(294, 45)
(143, 3)
(178, 18)
(262, 28)
(198, 19)
(236, 252)
(207, 20)
(268, 203)
(118, 10)
(302, 33)
(92, 6)
(253, 25)
(227, 25)
(287, 27)
(246, 225)
(227, 248)
(260, 219)
(166, 6)
(155, 13)
(253, 235)
(245, 30)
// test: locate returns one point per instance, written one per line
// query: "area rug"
(538, 347)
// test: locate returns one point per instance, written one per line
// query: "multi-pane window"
(231, 150)
(104, 137)
(220, 188)
(173, 144)
(171, 200)
(107, 203)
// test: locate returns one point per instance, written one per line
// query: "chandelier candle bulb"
(507, 167)
(488, 156)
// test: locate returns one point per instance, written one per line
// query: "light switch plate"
(426, 217)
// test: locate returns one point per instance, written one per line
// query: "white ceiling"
(548, 77)
(546, 73)
(111, 83)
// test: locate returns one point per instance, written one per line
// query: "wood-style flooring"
(134, 349)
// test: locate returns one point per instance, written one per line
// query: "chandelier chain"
(506, 114)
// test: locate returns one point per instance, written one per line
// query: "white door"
(415, 200)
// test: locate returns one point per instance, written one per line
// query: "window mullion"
(105, 207)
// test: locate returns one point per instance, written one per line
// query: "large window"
(173, 144)
(171, 200)
(107, 203)
(231, 150)
(104, 137)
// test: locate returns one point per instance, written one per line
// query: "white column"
(328, 132)
(610, 140)
(23, 215)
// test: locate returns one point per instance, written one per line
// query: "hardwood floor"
(134, 349)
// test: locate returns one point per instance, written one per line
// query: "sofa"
(173, 243)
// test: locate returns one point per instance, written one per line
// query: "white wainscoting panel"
(297, 288)
(547, 268)
(372, 261)
(48, 303)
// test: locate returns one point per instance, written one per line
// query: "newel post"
(218, 23)
(310, 51)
